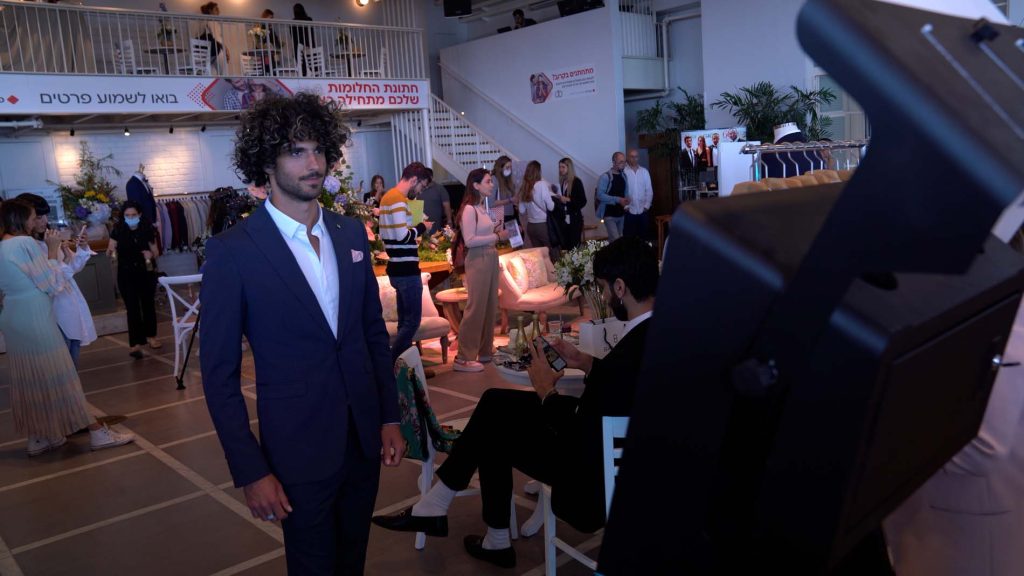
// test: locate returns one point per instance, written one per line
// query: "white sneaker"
(37, 445)
(107, 438)
(467, 366)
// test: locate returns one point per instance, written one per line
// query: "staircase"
(455, 143)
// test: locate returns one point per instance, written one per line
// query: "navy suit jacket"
(138, 191)
(308, 383)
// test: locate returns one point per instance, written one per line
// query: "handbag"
(459, 249)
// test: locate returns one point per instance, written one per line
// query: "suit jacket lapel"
(346, 270)
(267, 238)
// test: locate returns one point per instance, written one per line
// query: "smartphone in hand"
(556, 362)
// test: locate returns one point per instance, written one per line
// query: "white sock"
(496, 539)
(435, 502)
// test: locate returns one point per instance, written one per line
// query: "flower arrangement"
(258, 32)
(574, 271)
(91, 198)
(165, 34)
(437, 247)
(338, 195)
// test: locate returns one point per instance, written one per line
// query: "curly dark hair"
(275, 122)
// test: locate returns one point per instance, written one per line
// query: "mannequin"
(139, 190)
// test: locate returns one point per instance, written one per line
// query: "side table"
(450, 300)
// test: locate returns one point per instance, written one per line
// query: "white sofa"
(527, 281)
(432, 325)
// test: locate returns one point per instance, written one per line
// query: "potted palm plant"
(762, 106)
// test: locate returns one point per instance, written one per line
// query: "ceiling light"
(127, 132)
(362, 2)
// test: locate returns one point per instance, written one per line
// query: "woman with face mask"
(133, 243)
(476, 333)
(504, 188)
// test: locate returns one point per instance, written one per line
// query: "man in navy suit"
(296, 281)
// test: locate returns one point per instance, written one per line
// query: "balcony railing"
(53, 39)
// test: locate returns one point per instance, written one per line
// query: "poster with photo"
(700, 154)
(562, 83)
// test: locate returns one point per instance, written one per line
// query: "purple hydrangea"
(332, 184)
(81, 212)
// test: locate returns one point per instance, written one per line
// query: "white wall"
(588, 128)
(745, 42)
(685, 69)
(439, 33)
(187, 161)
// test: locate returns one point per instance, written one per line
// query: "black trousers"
(138, 290)
(637, 225)
(329, 527)
(507, 430)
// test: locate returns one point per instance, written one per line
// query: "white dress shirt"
(321, 271)
(636, 322)
(639, 189)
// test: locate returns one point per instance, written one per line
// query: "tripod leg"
(188, 352)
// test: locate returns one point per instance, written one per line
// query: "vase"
(96, 230)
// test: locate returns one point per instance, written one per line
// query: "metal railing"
(53, 39)
(639, 29)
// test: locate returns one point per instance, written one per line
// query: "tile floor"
(165, 504)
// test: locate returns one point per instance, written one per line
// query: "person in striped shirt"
(399, 236)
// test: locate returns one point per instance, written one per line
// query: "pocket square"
(357, 256)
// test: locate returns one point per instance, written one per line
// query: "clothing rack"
(169, 197)
(810, 152)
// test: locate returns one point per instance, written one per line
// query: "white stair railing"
(457, 144)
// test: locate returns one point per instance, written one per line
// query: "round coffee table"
(450, 300)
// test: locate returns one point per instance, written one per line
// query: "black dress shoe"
(404, 521)
(504, 558)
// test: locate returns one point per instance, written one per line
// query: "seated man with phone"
(553, 438)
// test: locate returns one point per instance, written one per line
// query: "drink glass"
(555, 328)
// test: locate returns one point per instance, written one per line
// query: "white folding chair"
(314, 58)
(412, 358)
(252, 66)
(613, 428)
(290, 70)
(382, 70)
(124, 59)
(200, 57)
(186, 322)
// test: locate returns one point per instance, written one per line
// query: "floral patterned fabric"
(419, 423)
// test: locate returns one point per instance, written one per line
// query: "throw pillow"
(389, 303)
(517, 270)
(535, 268)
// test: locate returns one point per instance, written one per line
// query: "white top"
(537, 209)
(69, 306)
(639, 189)
(321, 272)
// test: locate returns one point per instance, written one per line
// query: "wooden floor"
(165, 505)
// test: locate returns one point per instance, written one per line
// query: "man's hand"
(572, 355)
(623, 201)
(266, 499)
(542, 376)
(393, 445)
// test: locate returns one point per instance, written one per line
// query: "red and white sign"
(42, 94)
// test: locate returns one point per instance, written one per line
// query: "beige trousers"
(476, 333)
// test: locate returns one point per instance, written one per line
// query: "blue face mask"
(131, 222)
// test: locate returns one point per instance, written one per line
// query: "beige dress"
(46, 394)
